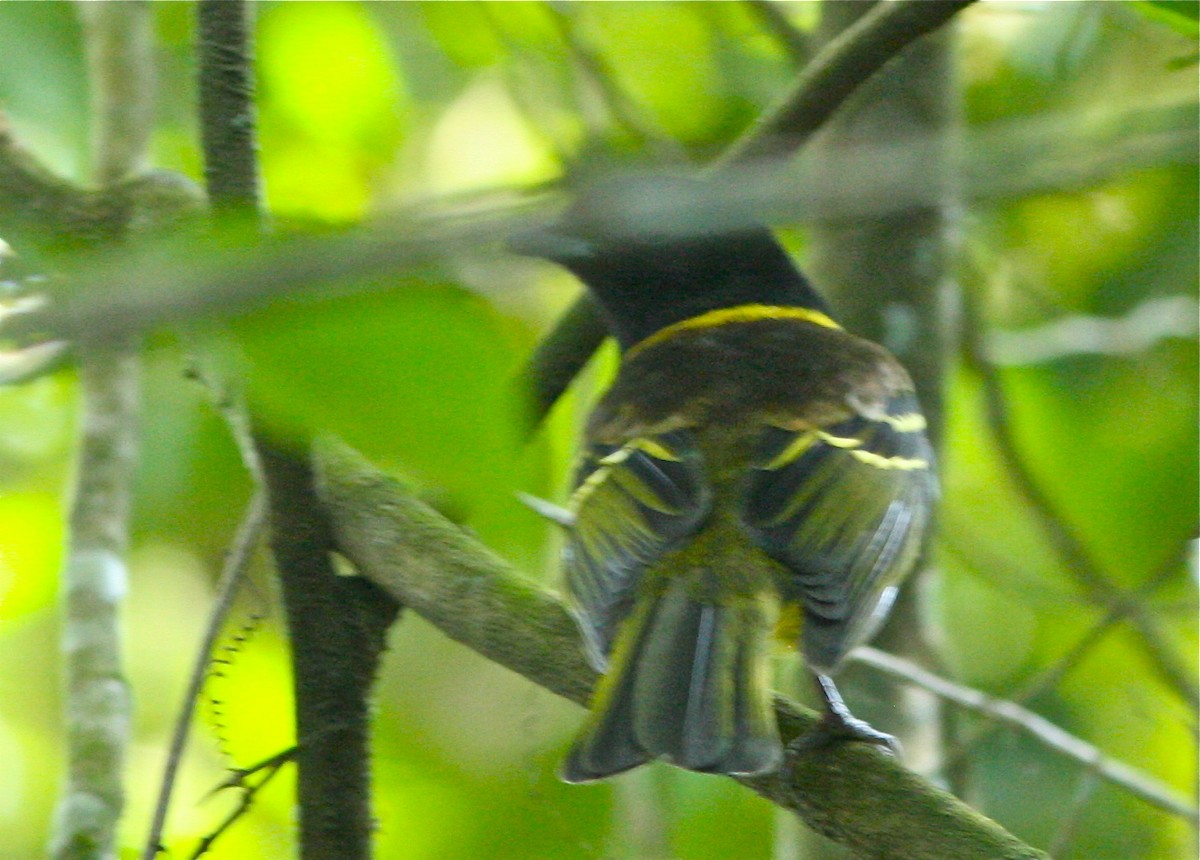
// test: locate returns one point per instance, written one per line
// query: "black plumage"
(749, 455)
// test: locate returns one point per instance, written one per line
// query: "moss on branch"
(853, 793)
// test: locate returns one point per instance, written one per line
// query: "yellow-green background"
(367, 106)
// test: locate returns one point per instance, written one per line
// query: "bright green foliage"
(366, 107)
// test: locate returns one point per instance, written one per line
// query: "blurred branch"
(797, 45)
(595, 70)
(120, 49)
(98, 709)
(840, 67)
(1049, 677)
(1074, 556)
(854, 793)
(1137, 783)
(95, 572)
(35, 202)
(213, 277)
(1148, 323)
(28, 363)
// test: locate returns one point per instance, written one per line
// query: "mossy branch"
(852, 793)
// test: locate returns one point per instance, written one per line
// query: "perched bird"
(751, 458)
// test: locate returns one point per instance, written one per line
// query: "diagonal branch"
(1009, 713)
(1073, 553)
(1049, 677)
(853, 57)
(853, 793)
(232, 575)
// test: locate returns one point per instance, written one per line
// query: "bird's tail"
(687, 681)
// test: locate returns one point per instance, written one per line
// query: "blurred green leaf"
(1182, 16)
(333, 106)
(31, 549)
(679, 89)
(417, 376)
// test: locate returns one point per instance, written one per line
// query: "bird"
(751, 465)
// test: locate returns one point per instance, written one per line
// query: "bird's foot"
(838, 725)
(835, 728)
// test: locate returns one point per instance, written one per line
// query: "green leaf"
(1182, 16)
(416, 377)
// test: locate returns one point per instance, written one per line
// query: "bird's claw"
(838, 728)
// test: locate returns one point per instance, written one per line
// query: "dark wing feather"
(632, 503)
(845, 507)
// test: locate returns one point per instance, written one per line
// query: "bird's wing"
(632, 502)
(844, 507)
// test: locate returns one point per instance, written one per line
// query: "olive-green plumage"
(749, 455)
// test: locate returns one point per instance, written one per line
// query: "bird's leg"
(838, 724)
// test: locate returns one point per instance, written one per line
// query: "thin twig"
(1073, 553)
(1049, 677)
(1089, 779)
(236, 563)
(247, 799)
(237, 778)
(1131, 779)
(797, 45)
(837, 71)
(594, 69)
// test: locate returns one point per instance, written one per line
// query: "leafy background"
(368, 106)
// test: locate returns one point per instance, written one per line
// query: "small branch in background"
(38, 207)
(98, 709)
(236, 563)
(1049, 677)
(120, 48)
(797, 45)
(627, 114)
(1073, 553)
(1137, 783)
(837, 70)
(1073, 813)
(28, 363)
(249, 791)
(854, 793)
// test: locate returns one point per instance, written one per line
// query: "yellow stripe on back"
(725, 316)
